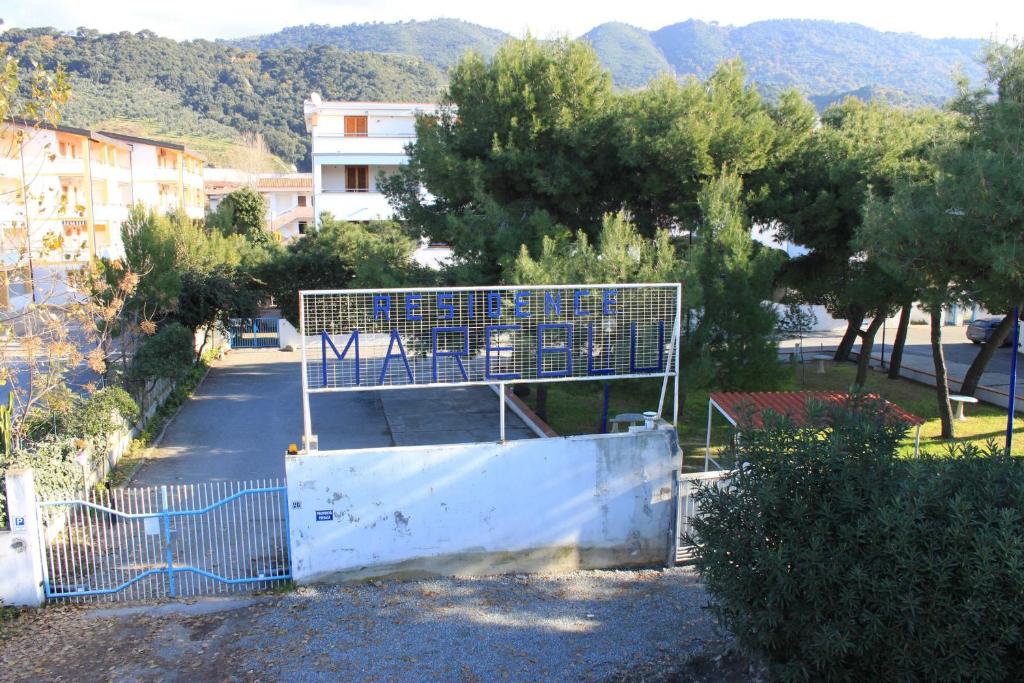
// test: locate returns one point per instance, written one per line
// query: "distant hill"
(821, 56)
(817, 57)
(249, 91)
(628, 52)
(212, 93)
(442, 42)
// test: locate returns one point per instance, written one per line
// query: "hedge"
(829, 557)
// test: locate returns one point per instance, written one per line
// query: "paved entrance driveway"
(242, 417)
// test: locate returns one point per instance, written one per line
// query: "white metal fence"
(166, 541)
(686, 508)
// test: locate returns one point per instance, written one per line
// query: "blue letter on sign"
(591, 370)
(401, 354)
(542, 350)
(523, 304)
(494, 304)
(577, 301)
(445, 309)
(608, 301)
(553, 303)
(412, 306)
(633, 367)
(457, 355)
(487, 359)
(325, 339)
(382, 304)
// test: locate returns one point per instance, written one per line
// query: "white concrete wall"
(287, 335)
(470, 509)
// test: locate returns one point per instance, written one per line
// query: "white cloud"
(232, 18)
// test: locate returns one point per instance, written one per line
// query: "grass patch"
(575, 408)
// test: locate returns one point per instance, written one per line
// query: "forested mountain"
(247, 90)
(819, 57)
(442, 42)
(214, 91)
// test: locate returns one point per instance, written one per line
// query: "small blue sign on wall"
(19, 525)
(324, 515)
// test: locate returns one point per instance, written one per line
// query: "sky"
(233, 18)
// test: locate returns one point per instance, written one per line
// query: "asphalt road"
(242, 418)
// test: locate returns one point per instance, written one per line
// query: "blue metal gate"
(166, 541)
(253, 333)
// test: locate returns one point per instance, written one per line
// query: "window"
(357, 178)
(302, 227)
(355, 125)
(302, 200)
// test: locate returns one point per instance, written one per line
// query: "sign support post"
(501, 410)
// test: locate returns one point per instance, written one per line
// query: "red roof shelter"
(793, 405)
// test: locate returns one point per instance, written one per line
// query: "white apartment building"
(353, 143)
(289, 197)
(64, 191)
(165, 176)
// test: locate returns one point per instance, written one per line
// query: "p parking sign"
(19, 524)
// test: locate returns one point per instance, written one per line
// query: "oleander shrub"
(829, 557)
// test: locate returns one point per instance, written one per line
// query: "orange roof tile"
(740, 406)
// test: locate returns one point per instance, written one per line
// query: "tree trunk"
(896, 359)
(941, 381)
(853, 323)
(988, 349)
(867, 342)
(542, 402)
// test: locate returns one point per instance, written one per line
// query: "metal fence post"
(165, 515)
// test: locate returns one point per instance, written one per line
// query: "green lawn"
(575, 408)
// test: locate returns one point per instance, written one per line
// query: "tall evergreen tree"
(518, 152)
(730, 278)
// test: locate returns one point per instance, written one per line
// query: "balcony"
(354, 206)
(109, 213)
(160, 174)
(108, 172)
(296, 213)
(387, 146)
(61, 166)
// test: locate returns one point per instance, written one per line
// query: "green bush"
(55, 469)
(830, 558)
(100, 414)
(167, 354)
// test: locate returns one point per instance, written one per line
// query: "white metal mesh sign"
(378, 339)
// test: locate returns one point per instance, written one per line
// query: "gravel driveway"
(587, 625)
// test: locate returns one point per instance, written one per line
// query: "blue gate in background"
(166, 541)
(254, 333)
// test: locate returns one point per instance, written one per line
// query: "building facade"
(353, 144)
(289, 197)
(65, 191)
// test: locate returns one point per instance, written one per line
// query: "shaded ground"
(582, 626)
(241, 419)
